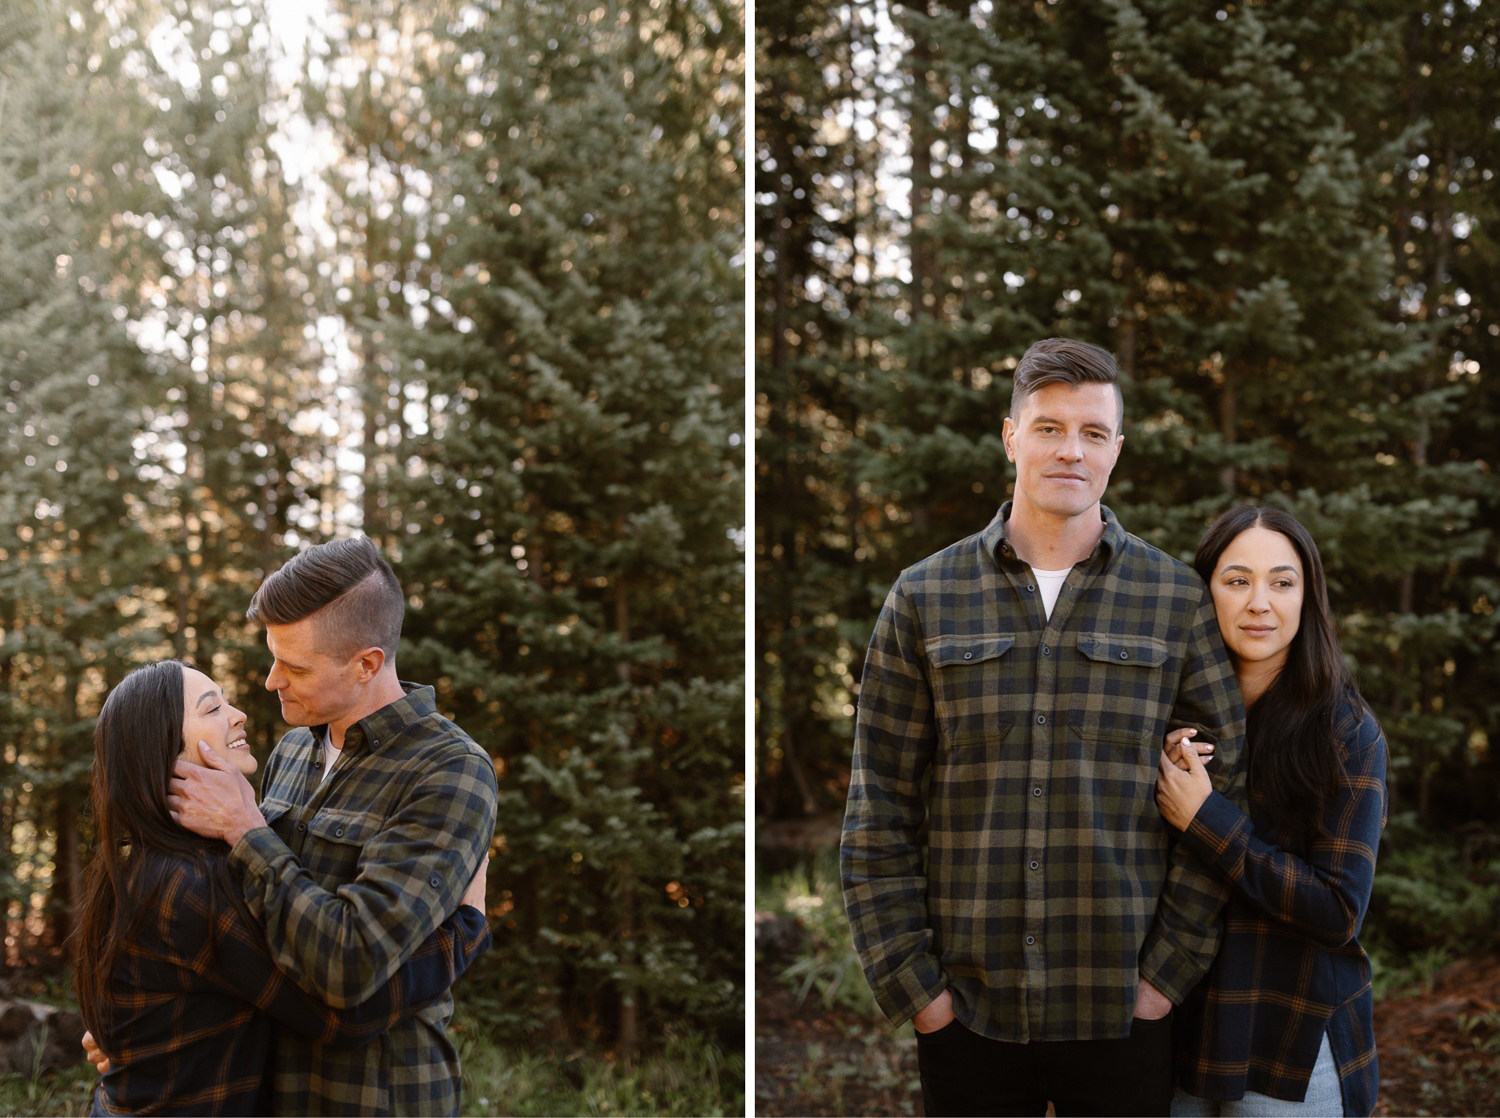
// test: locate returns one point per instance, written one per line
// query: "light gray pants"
(1323, 1100)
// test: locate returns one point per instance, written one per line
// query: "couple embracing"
(291, 955)
(1112, 820)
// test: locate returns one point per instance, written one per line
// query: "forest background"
(465, 277)
(1284, 219)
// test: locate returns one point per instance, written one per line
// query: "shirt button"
(1124, 655)
(1030, 940)
(1036, 791)
(1035, 864)
(1046, 651)
(968, 656)
(1030, 586)
(1041, 720)
(433, 881)
(301, 826)
(339, 833)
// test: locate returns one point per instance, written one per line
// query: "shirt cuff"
(258, 850)
(1218, 835)
(1173, 971)
(911, 989)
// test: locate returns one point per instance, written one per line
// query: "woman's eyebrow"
(208, 695)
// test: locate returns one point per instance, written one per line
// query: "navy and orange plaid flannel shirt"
(1002, 838)
(1291, 965)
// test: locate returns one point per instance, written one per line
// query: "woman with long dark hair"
(175, 981)
(1283, 1023)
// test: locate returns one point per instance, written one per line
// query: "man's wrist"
(244, 823)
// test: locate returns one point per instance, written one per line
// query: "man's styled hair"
(1064, 361)
(351, 588)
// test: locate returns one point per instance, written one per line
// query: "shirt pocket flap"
(272, 810)
(1146, 652)
(945, 652)
(353, 828)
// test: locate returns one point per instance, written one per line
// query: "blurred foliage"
(809, 895)
(465, 277)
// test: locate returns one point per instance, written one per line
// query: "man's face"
(1064, 444)
(315, 683)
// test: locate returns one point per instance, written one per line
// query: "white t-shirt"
(1050, 583)
(331, 755)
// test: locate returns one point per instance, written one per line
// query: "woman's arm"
(1324, 894)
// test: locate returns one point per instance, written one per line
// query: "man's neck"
(1052, 543)
(384, 691)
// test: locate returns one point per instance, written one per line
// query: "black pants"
(964, 1073)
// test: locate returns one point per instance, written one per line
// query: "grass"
(689, 1075)
(61, 1092)
(810, 893)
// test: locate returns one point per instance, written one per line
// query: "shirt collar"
(419, 702)
(997, 546)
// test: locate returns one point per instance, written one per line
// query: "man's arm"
(344, 945)
(885, 884)
(1183, 939)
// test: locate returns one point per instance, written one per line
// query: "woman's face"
(207, 716)
(1257, 589)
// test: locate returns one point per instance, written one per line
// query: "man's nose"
(1071, 449)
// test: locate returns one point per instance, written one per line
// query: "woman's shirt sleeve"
(243, 965)
(1325, 894)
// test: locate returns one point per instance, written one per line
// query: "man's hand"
(94, 1054)
(935, 1015)
(1150, 1003)
(474, 894)
(213, 799)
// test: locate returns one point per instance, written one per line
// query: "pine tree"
(1277, 217)
(568, 500)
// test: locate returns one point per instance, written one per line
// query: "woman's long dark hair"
(137, 740)
(1291, 732)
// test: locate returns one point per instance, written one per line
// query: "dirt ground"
(1429, 1063)
(819, 1062)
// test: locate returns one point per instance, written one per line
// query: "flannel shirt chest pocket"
(973, 686)
(1120, 698)
(336, 838)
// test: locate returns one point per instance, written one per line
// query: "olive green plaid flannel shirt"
(351, 876)
(1018, 754)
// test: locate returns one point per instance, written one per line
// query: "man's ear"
(1007, 433)
(371, 660)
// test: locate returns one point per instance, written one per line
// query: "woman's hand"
(474, 894)
(1177, 744)
(94, 1054)
(1180, 794)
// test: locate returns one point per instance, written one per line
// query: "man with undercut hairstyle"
(1007, 875)
(375, 813)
